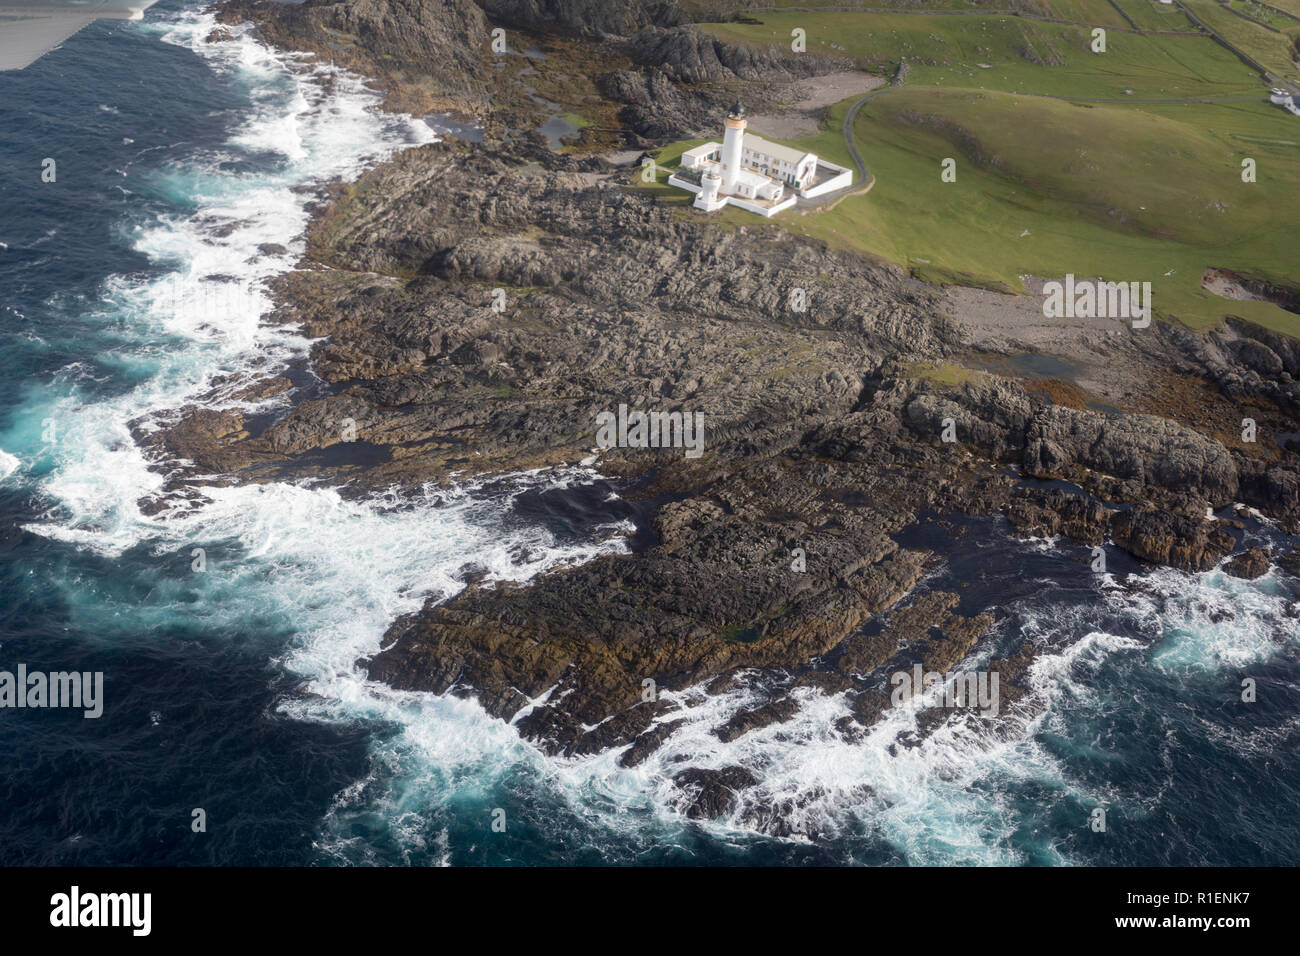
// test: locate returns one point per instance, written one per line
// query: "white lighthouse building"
(754, 173)
(733, 143)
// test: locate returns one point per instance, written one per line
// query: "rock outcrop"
(1251, 563)
(592, 18)
(689, 55)
(446, 42)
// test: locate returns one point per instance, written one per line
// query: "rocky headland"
(830, 430)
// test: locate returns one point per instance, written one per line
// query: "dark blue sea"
(228, 636)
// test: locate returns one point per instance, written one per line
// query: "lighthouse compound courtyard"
(754, 173)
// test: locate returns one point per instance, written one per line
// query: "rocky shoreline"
(826, 426)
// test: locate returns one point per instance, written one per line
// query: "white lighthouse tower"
(733, 144)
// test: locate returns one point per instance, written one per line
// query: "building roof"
(767, 147)
(702, 150)
(752, 178)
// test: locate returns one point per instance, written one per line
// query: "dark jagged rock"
(677, 619)
(927, 631)
(1272, 488)
(592, 18)
(447, 41)
(773, 712)
(711, 794)
(1165, 538)
(863, 653)
(1150, 450)
(958, 636)
(1055, 512)
(647, 743)
(868, 707)
(1251, 563)
(625, 304)
(1052, 441)
(658, 109)
(690, 55)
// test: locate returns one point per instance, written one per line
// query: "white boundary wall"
(768, 211)
(840, 180)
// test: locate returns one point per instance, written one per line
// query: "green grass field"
(1265, 15)
(1290, 6)
(1150, 15)
(1129, 191)
(1014, 54)
(1094, 12)
(1275, 51)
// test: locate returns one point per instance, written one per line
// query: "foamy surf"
(953, 795)
(172, 334)
(940, 799)
(1212, 621)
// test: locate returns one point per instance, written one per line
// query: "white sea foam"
(948, 797)
(8, 464)
(204, 316)
(1210, 620)
(934, 802)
